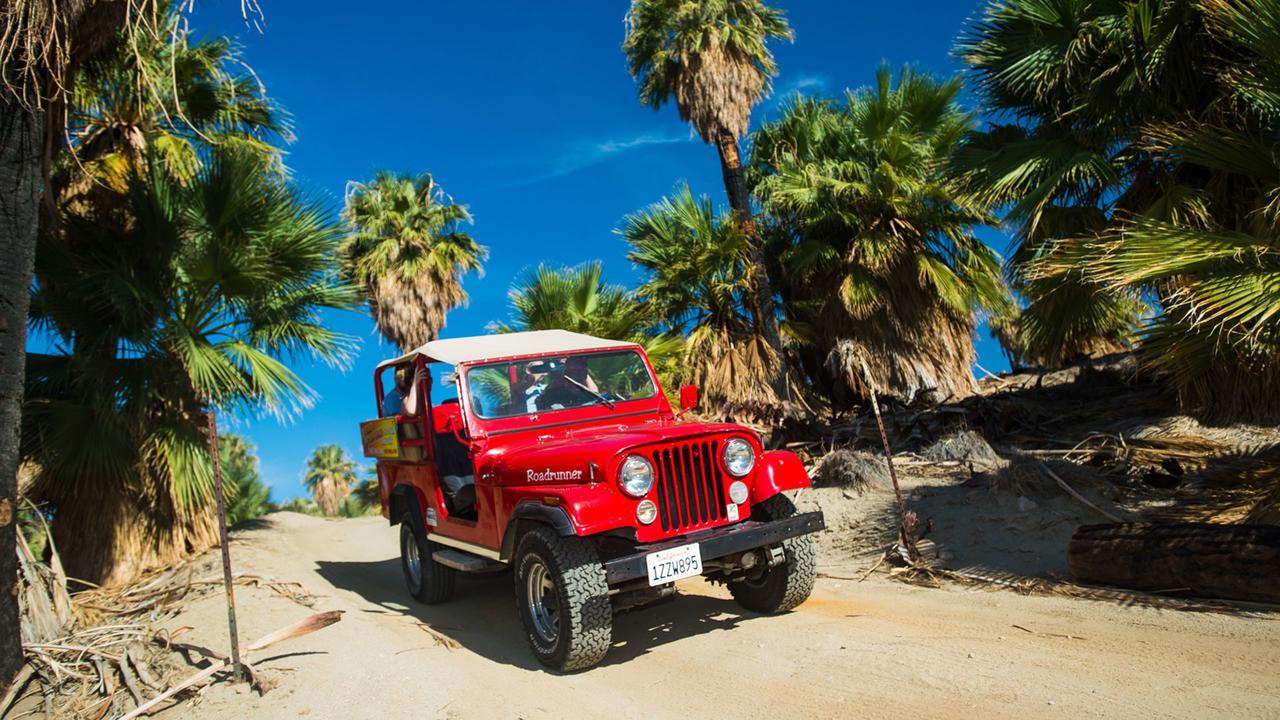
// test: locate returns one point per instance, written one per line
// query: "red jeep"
(561, 457)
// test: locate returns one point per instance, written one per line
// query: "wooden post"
(907, 521)
(236, 670)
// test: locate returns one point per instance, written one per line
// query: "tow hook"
(777, 556)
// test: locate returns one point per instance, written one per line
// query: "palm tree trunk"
(762, 308)
(21, 143)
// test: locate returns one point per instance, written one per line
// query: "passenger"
(403, 397)
(403, 400)
(535, 383)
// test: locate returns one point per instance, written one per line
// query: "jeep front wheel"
(787, 584)
(563, 600)
(427, 580)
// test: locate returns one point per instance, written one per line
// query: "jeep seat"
(453, 464)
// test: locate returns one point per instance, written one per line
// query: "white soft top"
(503, 345)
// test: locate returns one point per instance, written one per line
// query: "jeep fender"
(530, 513)
(407, 498)
(779, 470)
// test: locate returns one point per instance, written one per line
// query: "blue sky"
(523, 111)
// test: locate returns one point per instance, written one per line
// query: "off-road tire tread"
(586, 607)
(437, 580)
(801, 567)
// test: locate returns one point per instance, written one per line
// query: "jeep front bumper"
(716, 543)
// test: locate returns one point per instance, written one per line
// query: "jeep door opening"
(562, 459)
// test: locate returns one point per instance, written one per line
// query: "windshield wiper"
(601, 397)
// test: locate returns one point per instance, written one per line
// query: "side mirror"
(688, 398)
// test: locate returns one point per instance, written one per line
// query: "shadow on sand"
(482, 616)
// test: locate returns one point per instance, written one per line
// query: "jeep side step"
(465, 562)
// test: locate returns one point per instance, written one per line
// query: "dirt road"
(866, 650)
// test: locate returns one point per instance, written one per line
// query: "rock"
(1026, 504)
(857, 471)
(965, 446)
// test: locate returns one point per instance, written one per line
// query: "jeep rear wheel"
(786, 585)
(562, 598)
(427, 580)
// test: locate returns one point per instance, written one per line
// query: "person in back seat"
(403, 399)
(403, 396)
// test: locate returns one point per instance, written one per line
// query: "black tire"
(433, 582)
(784, 587)
(569, 625)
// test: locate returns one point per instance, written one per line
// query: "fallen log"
(1234, 562)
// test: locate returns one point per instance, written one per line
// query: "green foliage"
(304, 506)
(363, 500)
(201, 299)
(367, 492)
(699, 285)
(875, 245)
(408, 252)
(1142, 166)
(579, 300)
(184, 270)
(247, 496)
(330, 475)
(170, 96)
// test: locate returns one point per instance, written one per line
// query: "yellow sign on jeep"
(380, 439)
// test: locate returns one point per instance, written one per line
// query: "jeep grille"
(690, 485)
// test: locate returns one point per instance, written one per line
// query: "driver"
(561, 393)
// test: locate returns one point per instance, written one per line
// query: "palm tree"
(408, 253)
(579, 300)
(366, 494)
(44, 45)
(699, 285)
(195, 304)
(1158, 124)
(168, 95)
(330, 475)
(248, 497)
(879, 236)
(712, 56)
(1059, 174)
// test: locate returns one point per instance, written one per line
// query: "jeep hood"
(583, 454)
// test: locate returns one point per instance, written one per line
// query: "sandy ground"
(873, 649)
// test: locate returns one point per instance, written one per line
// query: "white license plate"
(674, 564)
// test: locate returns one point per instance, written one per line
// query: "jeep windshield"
(527, 387)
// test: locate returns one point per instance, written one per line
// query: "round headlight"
(739, 458)
(646, 512)
(635, 476)
(738, 492)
